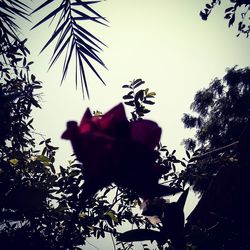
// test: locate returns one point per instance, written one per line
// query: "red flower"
(113, 149)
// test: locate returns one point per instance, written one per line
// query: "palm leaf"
(55, 34)
(70, 36)
(42, 6)
(86, 5)
(91, 66)
(67, 59)
(83, 79)
(58, 53)
(9, 10)
(51, 14)
(84, 31)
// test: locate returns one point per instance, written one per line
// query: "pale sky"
(164, 42)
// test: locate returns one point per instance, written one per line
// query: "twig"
(215, 151)
(92, 245)
(113, 241)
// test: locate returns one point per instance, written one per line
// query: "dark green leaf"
(148, 102)
(130, 103)
(125, 86)
(229, 9)
(138, 82)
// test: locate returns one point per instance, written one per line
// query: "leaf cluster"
(220, 114)
(238, 9)
(9, 11)
(37, 200)
(138, 98)
(25, 172)
(71, 37)
(222, 110)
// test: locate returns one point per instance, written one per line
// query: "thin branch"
(92, 245)
(113, 241)
(215, 151)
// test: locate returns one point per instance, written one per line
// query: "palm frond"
(9, 30)
(9, 10)
(72, 39)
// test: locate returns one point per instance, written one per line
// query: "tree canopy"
(220, 114)
(221, 111)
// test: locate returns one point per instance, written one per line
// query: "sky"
(164, 42)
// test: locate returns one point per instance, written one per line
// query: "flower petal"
(86, 117)
(69, 133)
(113, 117)
(146, 132)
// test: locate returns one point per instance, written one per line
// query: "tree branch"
(215, 151)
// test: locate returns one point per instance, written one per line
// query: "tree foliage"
(72, 38)
(42, 205)
(221, 112)
(43, 208)
(236, 10)
(222, 109)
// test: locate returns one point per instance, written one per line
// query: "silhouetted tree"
(222, 112)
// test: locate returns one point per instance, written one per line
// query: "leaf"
(97, 113)
(14, 162)
(128, 96)
(24, 61)
(72, 37)
(45, 160)
(228, 16)
(74, 173)
(151, 94)
(139, 95)
(203, 16)
(231, 21)
(145, 111)
(42, 5)
(148, 102)
(52, 168)
(229, 9)
(90, 65)
(130, 103)
(125, 86)
(33, 78)
(63, 171)
(112, 215)
(183, 164)
(50, 15)
(29, 63)
(64, 26)
(138, 82)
